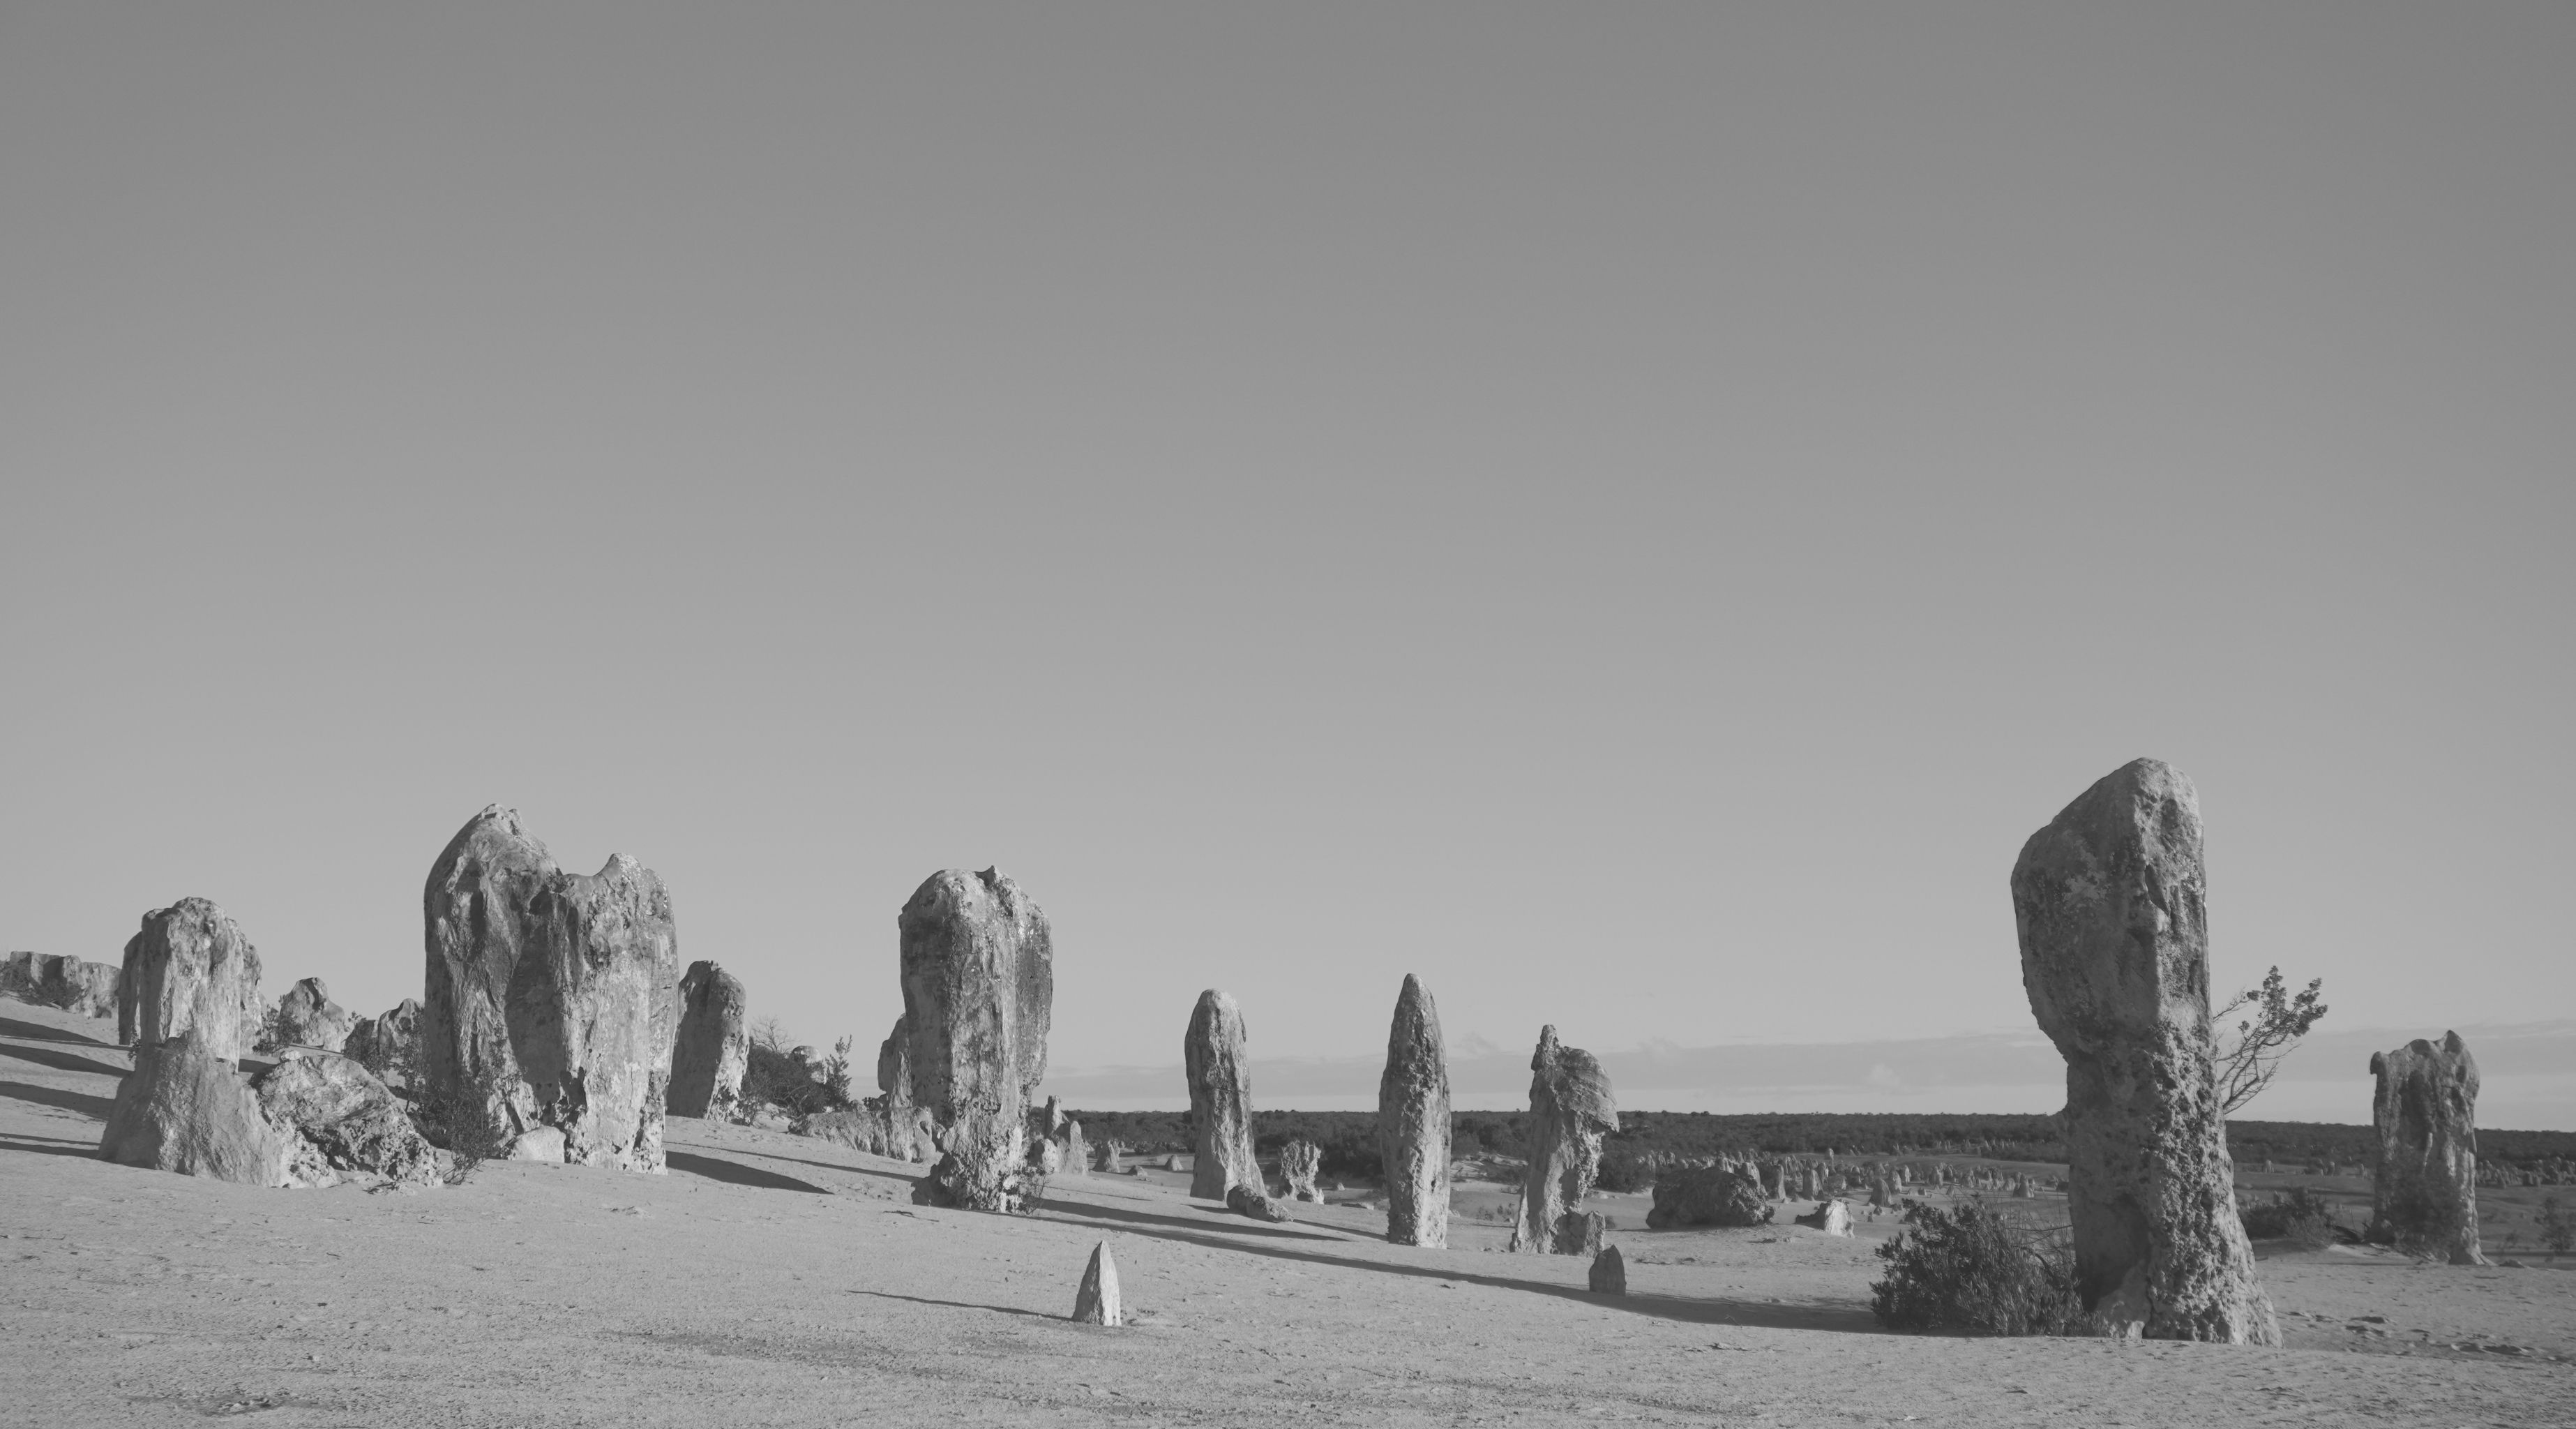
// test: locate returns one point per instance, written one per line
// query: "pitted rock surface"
(2425, 1108)
(1300, 1161)
(712, 1050)
(1571, 1108)
(1212, 1057)
(1246, 1199)
(307, 1017)
(474, 928)
(2108, 902)
(1413, 1121)
(190, 968)
(978, 996)
(353, 1125)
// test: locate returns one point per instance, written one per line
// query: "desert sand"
(771, 1279)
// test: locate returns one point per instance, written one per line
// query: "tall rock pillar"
(978, 995)
(1212, 1057)
(2114, 954)
(1413, 1121)
(711, 1049)
(190, 969)
(1571, 1108)
(2426, 1111)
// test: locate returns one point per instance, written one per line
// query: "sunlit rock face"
(1213, 1059)
(190, 969)
(978, 965)
(1571, 1109)
(2108, 902)
(1413, 1121)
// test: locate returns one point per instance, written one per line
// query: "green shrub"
(463, 1122)
(1971, 1269)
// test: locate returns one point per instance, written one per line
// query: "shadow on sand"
(954, 1304)
(56, 1097)
(64, 1061)
(38, 1032)
(734, 1173)
(47, 1145)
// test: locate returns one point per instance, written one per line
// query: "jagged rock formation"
(391, 1039)
(2426, 1111)
(1413, 1121)
(1300, 1161)
(1212, 1058)
(1245, 1198)
(1709, 1196)
(307, 1017)
(1831, 1217)
(348, 1125)
(712, 1050)
(978, 995)
(1609, 1272)
(186, 1108)
(911, 1134)
(85, 989)
(1096, 1302)
(2108, 903)
(1571, 1108)
(549, 993)
(190, 967)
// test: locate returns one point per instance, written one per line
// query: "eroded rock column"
(1571, 1108)
(1212, 1058)
(190, 969)
(593, 1028)
(2426, 1112)
(473, 930)
(2107, 901)
(1413, 1121)
(711, 1049)
(978, 995)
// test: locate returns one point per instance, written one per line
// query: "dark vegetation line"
(1349, 1138)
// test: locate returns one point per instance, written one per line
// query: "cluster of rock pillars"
(555, 1012)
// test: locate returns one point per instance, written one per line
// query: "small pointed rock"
(1609, 1272)
(1096, 1303)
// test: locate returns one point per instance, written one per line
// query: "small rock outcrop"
(1831, 1217)
(1212, 1057)
(549, 994)
(1300, 1162)
(1246, 1199)
(1571, 1109)
(978, 995)
(1413, 1121)
(190, 967)
(186, 1108)
(349, 1125)
(1609, 1272)
(2426, 1112)
(1719, 1195)
(84, 989)
(711, 1050)
(1096, 1302)
(909, 1125)
(307, 1017)
(2108, 906)
(390, 1040)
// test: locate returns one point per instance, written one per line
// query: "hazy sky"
(1632, 513)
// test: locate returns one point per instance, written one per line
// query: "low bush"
(463, 1123)
(1625, 1171)
(1972, 1269)
(2301, 1216)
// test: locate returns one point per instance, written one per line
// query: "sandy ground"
(772, 1280)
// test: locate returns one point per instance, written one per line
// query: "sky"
(1632, 514)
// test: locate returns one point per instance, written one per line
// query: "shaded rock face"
(548, 994)
(2426, 1113)
(1244, 1198)
(190, 967)
(1413, 1121)
(85, 989)
(1610, 1272)
(1300, 1161)
(1096, 1301)
(978, 996)
(307, 1017)
(911, 1125)
(1709, 1196)
(1831, 1217)
(2108, 904)
(391, 1037)
(711, 1049)
(1571, 1108)
(185, 1108)
(1212, 1058)
(349, 1125)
